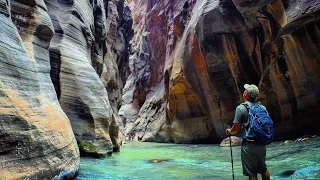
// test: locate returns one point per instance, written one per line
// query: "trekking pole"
(231, 157)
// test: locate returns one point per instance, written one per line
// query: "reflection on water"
(297, 160)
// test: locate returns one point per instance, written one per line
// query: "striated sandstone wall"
(63, 66)
(190, 60)
(89, 53)
(88, 56)
(36, 139)
(81, 94)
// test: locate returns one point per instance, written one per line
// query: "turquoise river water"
(296, 160)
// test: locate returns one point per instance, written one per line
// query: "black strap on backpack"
(246, 105)
(248, 108)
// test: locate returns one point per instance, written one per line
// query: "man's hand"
(228, 130)
(234, 129)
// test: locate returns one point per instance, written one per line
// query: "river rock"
(158, 160)
(287, 173)
(235, 141)
(287, 142)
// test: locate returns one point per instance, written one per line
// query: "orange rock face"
(191, 59)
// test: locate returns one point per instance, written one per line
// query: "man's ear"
(245, 95)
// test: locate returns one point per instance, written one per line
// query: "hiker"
(253, 154)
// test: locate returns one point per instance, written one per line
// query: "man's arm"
(236, 122)
(234, 129)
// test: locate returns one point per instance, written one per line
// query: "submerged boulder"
(287, 173)
(157, 160)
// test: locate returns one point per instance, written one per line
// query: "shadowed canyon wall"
(190, 60)
(63, 66)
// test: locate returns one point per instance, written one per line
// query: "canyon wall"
(190, 60)
(81, 66)
(63, 66)
(36, 138)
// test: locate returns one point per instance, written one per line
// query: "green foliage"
(87, 146)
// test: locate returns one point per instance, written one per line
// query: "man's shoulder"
(242, 107)
(248, 105)
(258, 104)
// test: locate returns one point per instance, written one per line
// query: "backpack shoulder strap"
(247, 106)
(246, 127)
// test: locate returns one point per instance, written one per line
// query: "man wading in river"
(253, 153)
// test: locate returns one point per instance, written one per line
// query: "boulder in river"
(235, 141)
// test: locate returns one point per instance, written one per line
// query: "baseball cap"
(252, 89)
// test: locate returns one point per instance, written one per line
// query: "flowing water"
(296, 160)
